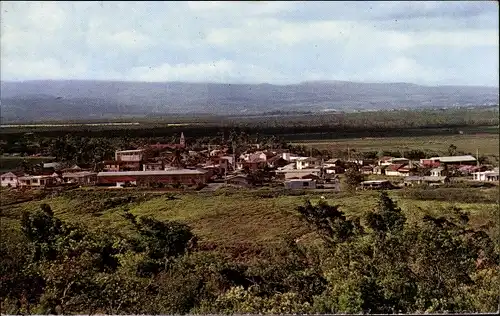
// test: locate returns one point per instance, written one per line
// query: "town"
(176, 166)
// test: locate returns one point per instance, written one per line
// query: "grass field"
(487, 144)
(230, 219)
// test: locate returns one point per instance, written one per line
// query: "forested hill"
(47, 100)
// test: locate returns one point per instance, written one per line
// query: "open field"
(230, 218)
(487, 144)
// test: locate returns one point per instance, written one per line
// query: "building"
(376, 185)
(151, 166)
(10, 179)
(147, 178)
(298, 174)
(134, 155)
(112, 165)
(448, 160)
(489, 176)
(367, 169)
(296, 184)
(415, 180)
(385, 161)
(290, 157)
(437, 172)
(276, 162)
(307, 162)
(397, 170)
(334, 169)
(39, 181)
(82, 177)
(334, 162)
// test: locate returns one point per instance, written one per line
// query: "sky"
(422, 42)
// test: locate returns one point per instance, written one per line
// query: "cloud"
(275, 42)
(49, 68)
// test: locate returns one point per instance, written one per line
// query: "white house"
(38, 181)
(485, 176)
(307, 162)
(134, 155)
(437, 172)
(290, 157)
(10, 180)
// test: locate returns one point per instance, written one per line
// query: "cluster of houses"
(174, 165)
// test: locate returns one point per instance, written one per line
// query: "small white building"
(307, 162)
(296, 184)
(39, 181)
(10, 180)
(134, 155)
(489, 176)
(83, 177)
(437, 172)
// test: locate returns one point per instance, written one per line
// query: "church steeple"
(183, 140)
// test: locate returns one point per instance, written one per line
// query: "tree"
(452, 150)
(353, 178)
(160, 241)
(329, 222)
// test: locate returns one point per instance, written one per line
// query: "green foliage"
(353, 178)
(384, 261)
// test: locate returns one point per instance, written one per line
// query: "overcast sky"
(252, 42)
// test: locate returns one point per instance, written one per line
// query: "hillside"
(45, 100)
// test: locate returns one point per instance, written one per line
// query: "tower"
(183, 140)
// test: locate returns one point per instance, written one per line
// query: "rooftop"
(129, 151)
(454, 158)
(149, 173)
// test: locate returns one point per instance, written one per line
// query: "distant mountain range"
(78, 99)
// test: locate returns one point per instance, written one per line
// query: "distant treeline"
(291, 127)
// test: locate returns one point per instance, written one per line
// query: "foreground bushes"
(378, 263)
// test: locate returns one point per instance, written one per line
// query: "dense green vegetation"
(260, 251)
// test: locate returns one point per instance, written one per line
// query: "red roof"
(395, 167)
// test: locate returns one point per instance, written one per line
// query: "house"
(10, 179)
(367, 169)
(385, 161)
(151, 166)
(276, 162)
(112, 165)
(38, 180)
(397, 170)
(437, 172)
(486, 176)
(380, 169)
(334, 169)
(239, 180)
(254, 164)
(307, 162)
(376, 184)
(296, 184)
(82, 177)
(448, 160)
(298, 174)
(359, 162)
(134, 155)
(414, 180)
(147, 178)
(290, 157)
(334, 162)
